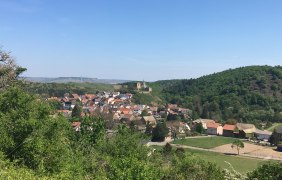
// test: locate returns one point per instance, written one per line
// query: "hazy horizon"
(140, 40)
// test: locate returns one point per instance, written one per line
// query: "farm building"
(246, 130)
(214, 128)
(228, 130)
(262, 135)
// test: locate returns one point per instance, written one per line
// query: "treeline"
(59, 89)
(247, 94)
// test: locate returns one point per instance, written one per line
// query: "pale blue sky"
(140, 39)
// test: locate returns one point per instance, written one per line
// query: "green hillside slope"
(59, 89)
(247, 94)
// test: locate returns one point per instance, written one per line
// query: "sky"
(140, 39)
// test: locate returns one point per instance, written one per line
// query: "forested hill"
(252, 93)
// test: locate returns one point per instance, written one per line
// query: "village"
(118, 108)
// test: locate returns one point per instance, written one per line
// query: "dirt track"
(251, 150)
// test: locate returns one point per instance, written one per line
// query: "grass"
(274, 125)
(240, 164)
(205, 142)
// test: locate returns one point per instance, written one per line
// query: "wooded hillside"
(248, 94)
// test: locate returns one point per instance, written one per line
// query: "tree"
(274, 138)
(48, 148)
(159, 132)
(231, 121)
(93, 129)
(144, 113)
(20, 113)
(238, 144)
(55, 105)
(149, 129)
(199, 128)
(76, 112)
(124, 157)
(9, 70)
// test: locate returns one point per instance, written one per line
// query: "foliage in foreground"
(268, 171)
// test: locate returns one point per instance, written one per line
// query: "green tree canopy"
(238, 144)
(76, 112)
(159, 132)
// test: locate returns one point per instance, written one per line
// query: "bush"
(167, 149)
(268, 171)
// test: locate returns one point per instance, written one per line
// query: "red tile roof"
(124, 110)
(76, 96)
(212, 125)
(229, 127)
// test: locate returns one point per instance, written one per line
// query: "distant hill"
(74, 79)
(59, 89)
(247, 94)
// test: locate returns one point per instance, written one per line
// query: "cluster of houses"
(119, 108)
(239, 130)
(102, 101)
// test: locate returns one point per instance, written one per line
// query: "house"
(127, 118)
(172, 107)
(178, 127)
(214, 128)
(124, 111)
(228, 130)
(149, 119)
(139, 124)
(76, 97)
(97, 100)
(67, 105)
(204, 122)
(129, 95)
(115, 94)
(246, 130)
(116, 116)
(90, 96)
(154, 110)
(262, 135)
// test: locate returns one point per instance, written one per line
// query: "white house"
(214, 128)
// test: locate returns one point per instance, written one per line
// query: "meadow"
(205, 142)
(240, 164)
